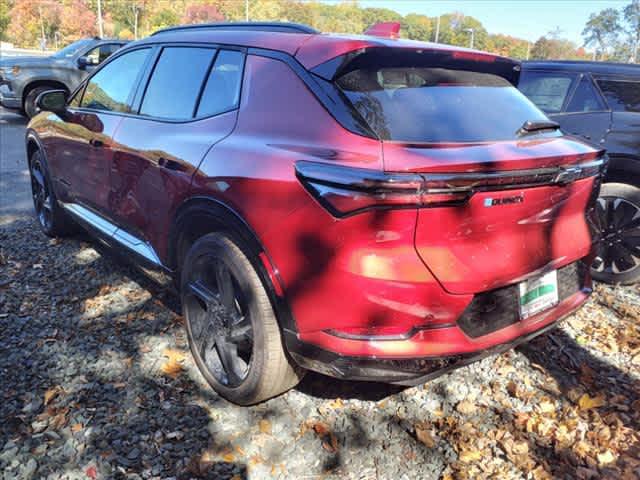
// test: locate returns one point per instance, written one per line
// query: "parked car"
(600, 102)
(365, 207)
(22, 79)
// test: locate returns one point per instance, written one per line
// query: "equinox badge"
(492, 202)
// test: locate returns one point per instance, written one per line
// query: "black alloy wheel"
(617, 221)
(232, 327)
(219, 321)
(42, 199)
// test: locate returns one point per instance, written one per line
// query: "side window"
(222, 91)
(548, 90)
(621, 95)
(101, 53)
(111, 87)
(585, 98)
(176, 82)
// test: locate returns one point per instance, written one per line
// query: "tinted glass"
(547, 90)
(438, 104)
(71, 50)
(585, 98)
(222, 91)
(176, 82)
(110, 88)
(621, 95)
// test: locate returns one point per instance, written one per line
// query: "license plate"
(538, 294)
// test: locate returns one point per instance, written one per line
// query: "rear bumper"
(406, 362)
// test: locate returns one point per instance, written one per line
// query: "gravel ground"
(96, 382)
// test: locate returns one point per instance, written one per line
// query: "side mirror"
(84, 62)
(52, 101)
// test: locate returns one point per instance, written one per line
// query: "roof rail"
(282, 27)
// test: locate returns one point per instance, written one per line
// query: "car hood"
(28, 61)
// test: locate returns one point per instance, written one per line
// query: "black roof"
(604, 68)
(281, 27)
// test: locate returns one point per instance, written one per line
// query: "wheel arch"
(200, 215)
(623, 169)
(33, 144)
(42, 83)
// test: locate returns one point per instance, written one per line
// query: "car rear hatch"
(503, 194)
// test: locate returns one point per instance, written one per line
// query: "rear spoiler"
(427, 56)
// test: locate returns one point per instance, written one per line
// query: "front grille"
(496, 309)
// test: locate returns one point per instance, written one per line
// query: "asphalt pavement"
(15, 198)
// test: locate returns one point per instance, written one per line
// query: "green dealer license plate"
(538, 294)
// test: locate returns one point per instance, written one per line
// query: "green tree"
(5, 18)
(602, 29)
(632, 18)
(371, 16)
(416, 27)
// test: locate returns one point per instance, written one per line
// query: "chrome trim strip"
(124, 238)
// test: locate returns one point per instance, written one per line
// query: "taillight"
(347, 190)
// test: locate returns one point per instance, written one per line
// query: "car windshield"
(434, 105)
(72, 49)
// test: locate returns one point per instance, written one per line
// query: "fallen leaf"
(466, 407)
(76, 427)
(424, 435)
(228, 457)
(171, 368)
(546, 406)
(58, 421)
(587, 403)
(51, 394)
(606, 457)
(265, 426)
(174, 355)
(468, 456)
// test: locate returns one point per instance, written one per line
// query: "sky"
(528, 19)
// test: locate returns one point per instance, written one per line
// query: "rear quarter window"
(621, 95)
(546, 89)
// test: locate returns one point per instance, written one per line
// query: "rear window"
(436, 105)
(621, 95)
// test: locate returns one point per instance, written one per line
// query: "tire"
(231, 326)
(618, 242)
(29, 107)
(53, 220)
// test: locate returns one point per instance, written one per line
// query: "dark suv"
(22, 79)
(366, 207)
(600, 102)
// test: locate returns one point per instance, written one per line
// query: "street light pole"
(472, 32)
(100, 28)
(246, 10)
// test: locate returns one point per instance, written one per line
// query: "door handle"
(94, 142)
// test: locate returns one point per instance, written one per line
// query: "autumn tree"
(202, 14)
(33, 21)
(602, 29)
(77, 21)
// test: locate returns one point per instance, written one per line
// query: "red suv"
(365, 207)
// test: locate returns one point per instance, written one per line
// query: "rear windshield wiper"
(536, 126)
